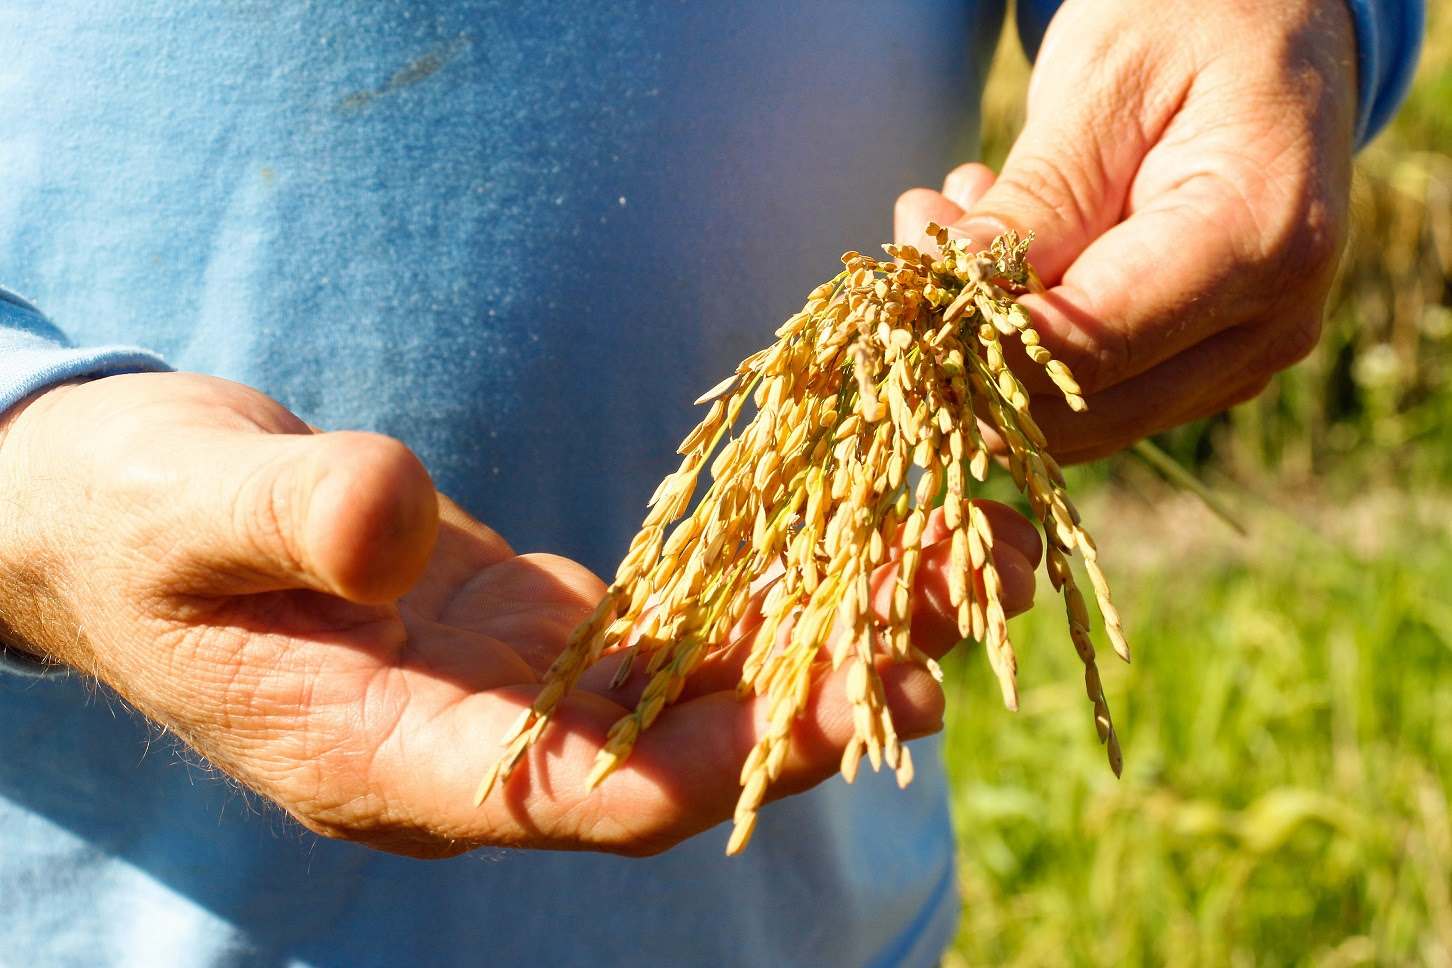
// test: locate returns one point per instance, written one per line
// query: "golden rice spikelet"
(865, 419)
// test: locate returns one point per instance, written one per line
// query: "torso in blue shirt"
(521, 238)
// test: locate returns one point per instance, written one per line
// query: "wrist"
(43, 399)
(28, 608)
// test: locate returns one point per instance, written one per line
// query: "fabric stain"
(420, 69)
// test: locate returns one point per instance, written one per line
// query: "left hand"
(1185, 168)
(306, 611)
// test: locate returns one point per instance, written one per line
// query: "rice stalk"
(892, 365)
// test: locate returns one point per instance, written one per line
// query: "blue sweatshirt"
(520, 238)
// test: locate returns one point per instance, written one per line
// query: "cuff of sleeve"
(35, 355)
(1388, 42)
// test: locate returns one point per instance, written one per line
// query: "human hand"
(307, 612)
(1185, 168)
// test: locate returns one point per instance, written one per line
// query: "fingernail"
(980, 230)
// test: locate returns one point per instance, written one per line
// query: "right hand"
(1187, 169)
(310, 614)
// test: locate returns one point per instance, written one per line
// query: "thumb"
(350, 514)
(1096, 106)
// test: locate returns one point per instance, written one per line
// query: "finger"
(683, 775)
(1225, 370)
(350, 514)
(819, 736)
(1171, 276)
(531, 601)
(917, 207)
(935, 619)
(1017, 550)
(1007, 525)
(464, 552)
(965, 185)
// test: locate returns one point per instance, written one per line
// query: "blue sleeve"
(1388, 40)
(35, 355)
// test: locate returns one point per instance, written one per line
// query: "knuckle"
(1099, 357)
(266, 515)
(1301, 222)
(1112, 359)
(1309, 248)
(1050, 186)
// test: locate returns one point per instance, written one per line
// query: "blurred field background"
(1287, 722)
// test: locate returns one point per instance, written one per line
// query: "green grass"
(1287, 726)
(1287, 722)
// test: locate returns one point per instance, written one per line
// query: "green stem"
(1171, 470)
